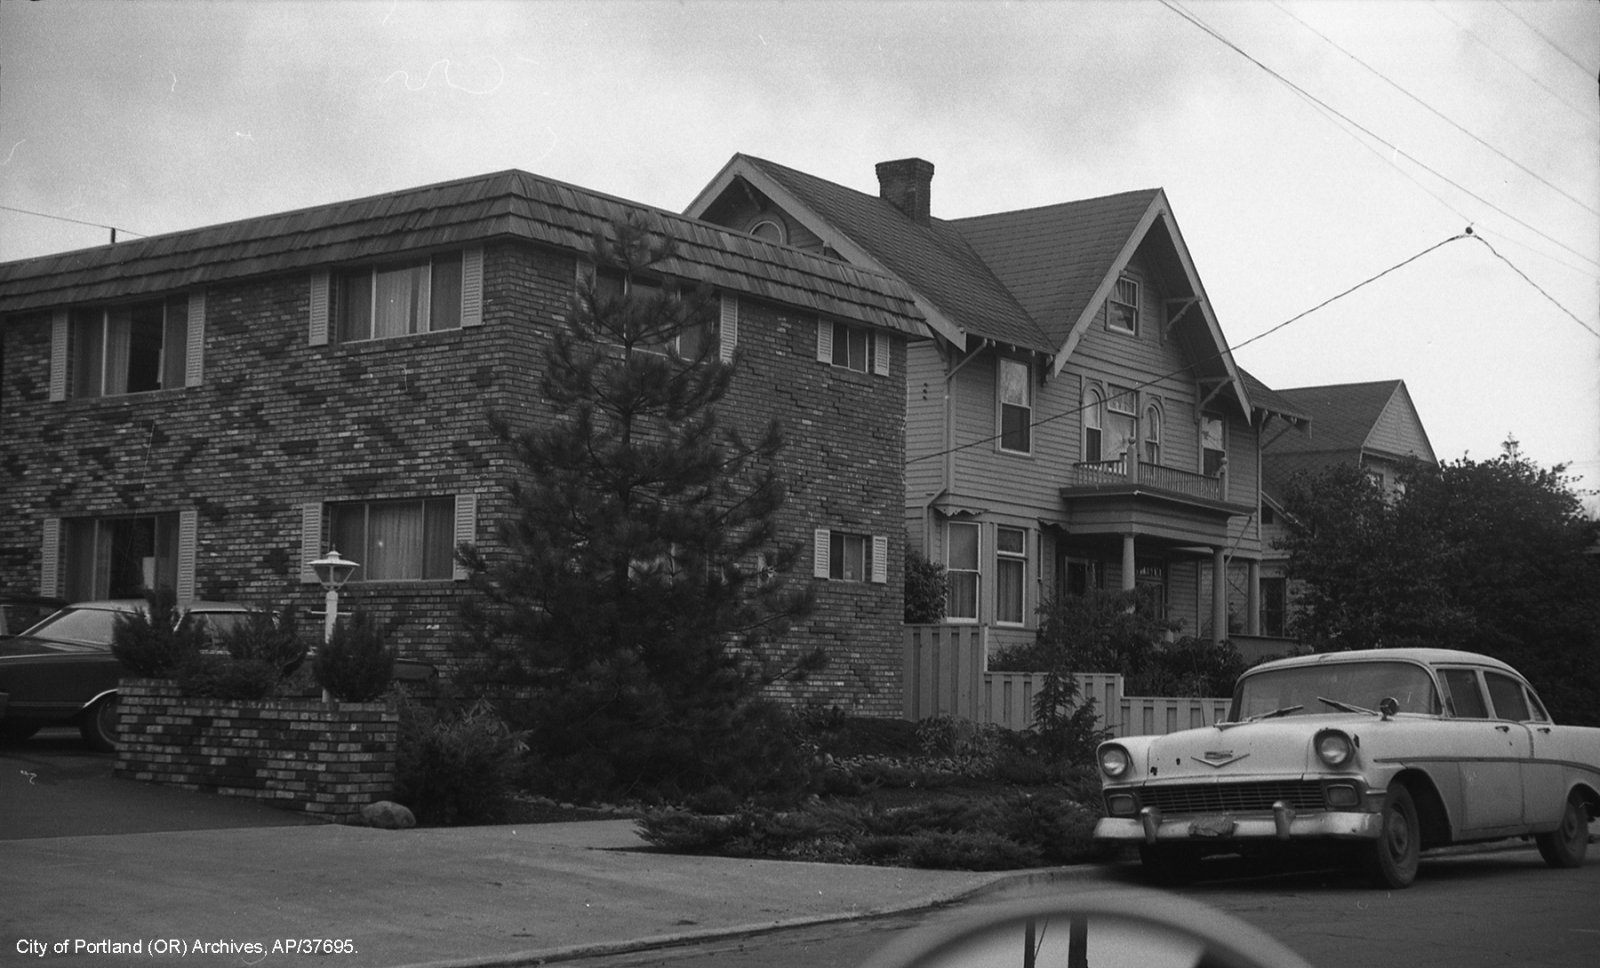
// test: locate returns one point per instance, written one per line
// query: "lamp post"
(332, 571)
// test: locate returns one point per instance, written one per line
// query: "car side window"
(1466, 699)
(1510, 702)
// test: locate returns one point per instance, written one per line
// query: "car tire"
(1169, 866)
(99, 727)
(1392, 859)
(1566, 846)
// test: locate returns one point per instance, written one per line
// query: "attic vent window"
(769, 230)
(1122, 314)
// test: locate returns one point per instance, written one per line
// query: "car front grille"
(1231, 797)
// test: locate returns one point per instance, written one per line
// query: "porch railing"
(1125, 470)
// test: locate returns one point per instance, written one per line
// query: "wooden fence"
(946, 674)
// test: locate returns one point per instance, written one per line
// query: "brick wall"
(325, 759)
(278, 423)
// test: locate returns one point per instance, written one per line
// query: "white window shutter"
(194, 361)
(58, 357)
(466, 528)
(310, 540)
(820, 542)
(319, 309)
(824, 341)
(880, 559)
(880, 358)
(188, 537)
(472, 287)
(728, 325)
(50, 559)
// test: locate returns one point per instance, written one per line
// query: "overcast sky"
(1306, 147)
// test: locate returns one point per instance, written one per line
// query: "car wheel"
(1169, 865)
(100, 726)
(1567, 844)
(1392, 859)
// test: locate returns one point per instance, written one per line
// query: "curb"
(997, 884)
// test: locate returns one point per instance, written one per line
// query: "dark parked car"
(18, 612)
(61, 671)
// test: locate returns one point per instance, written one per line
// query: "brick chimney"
(905, 184)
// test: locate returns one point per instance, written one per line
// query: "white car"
(1391, 751)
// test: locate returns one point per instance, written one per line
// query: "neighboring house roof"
(1031, 279)
(1349, 422)
(508, 204)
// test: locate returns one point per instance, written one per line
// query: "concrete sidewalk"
(476, 896)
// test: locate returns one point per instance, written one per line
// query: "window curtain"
(1008, 590)
(961, 567)
(394, 542)
(175, 345)
(119, 335)
(398, 300)
(88, 353)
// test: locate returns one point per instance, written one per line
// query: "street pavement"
(98, 870)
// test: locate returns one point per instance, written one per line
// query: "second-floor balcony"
(1129, 471)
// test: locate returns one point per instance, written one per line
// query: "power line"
(1436, 113)
(1396, 149)
(76, 221)
(1583, 113)
(1553, 301)
(1072, 411)
(1553, 45)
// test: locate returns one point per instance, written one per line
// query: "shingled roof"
(509, 204)
(1349, 420)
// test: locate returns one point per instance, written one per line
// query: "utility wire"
(1396, 149)
(1553, 301)
(75, 221)
(1587, 71)
(1436, 113)
(1072, 411)
(1583, 113)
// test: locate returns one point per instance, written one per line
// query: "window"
(1093, 446)
(1121, 424)
(1150, 578)
(396, 540)
(1274, 605)
(852, 347)
(1011, 574)
(119, 557)
(400, 299)
(769, 230)
(129, 349)
(1213, 455)
(961, 572)
(1510, 702)
(845, 556)
(1122, 311)
(1016, 407)
(1152, 434)
(1080, 576)
(1465, 699)
(690, 341)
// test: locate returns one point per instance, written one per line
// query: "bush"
(269, 637)
(457, 768)
(925, 589)
(157, 641)
(223, 677)
(354, 665)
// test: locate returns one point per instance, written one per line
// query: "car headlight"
(1334, 748)
(1114, 761)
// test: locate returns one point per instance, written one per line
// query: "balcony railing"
(1129, 470)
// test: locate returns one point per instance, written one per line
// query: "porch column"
(1252, 591)
(1219, 597)
(1128, 573)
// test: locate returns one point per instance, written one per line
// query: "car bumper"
(1284, 824)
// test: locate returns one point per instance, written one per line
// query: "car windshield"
(1363, 684)
(86, 626)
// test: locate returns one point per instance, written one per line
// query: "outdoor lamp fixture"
(332, 571)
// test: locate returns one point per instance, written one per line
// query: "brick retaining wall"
(325, 759)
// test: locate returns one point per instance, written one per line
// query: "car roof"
(1429, 657)
(134, 604)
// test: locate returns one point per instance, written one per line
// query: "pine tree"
(642, 581)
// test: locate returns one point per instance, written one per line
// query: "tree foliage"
(1490, 556)
(925, 589)
(643, 582)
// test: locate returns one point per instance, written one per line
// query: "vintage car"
(1387, 751)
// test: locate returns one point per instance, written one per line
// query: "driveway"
(52, 786)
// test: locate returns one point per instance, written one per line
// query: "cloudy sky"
(1306, 147)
